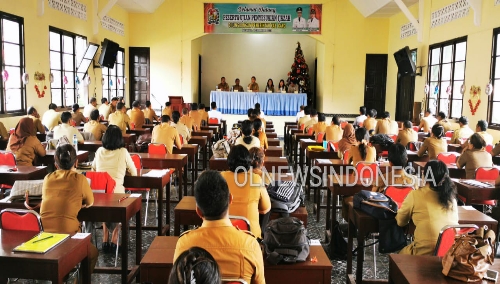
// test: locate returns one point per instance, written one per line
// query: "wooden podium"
(177, 103)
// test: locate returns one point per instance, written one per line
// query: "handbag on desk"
(470, 256)
(24, 190)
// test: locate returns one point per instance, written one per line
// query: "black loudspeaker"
(406, 66)
(108, 53)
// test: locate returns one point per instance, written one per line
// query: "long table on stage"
(270, 103)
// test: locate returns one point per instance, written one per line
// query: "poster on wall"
(223, 18)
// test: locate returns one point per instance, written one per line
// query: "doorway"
(404, 97)
(375, 82)
(139, 73)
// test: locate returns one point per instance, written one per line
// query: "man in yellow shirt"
(464, 132)
(427, 121)
(305, 118)
(104, 108)
(396, 175)
(237, 253)
(136, 115)
(204, 114)
(120, 118)
(334, 131)
(51, 118)
(181, 127)
(481, 127)
(33, 114)
(94, 126)
(196, 116)
(312, 121)
(167, 110)
(149, 113)
(370, 123)
(319, 127)
(443, 121)
(223, 86)
(166, 134)
(386, 125)
(407, 134)
(187, 120)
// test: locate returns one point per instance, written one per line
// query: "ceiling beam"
(40, 7)
(416, 24)
(476, 6)
(107, 8)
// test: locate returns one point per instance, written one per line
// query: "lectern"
(177, 103)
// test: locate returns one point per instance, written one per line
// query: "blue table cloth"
(270, 103)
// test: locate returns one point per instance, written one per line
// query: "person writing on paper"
(299, 22)
(253, 86)
(293, 87)
(270, 86)
(474, 156)
(281, 87)
(430, 208)
(64, 193)
(312, 23)
(24, 144)
(237, 87)
(223, 86)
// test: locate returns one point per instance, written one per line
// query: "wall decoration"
(407, 30)
(450, 13)
(489, 89)
(5, 75)
(474, 101)
(70, 7)
(40, 84)
(26, 78)
(113, 25)
(497, 2)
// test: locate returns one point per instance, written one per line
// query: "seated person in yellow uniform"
(427, 121)
(196, 116)
(370, 123)
(407, 134)
(481, 127)
(256, 113)
(464, 132)
(51, 118)
(386, 125)
(319, 127)
(362, 151)
(250, 196)
(136, 115)
(204, 114)
(253, 86)
(65, 129)
(187, 120)
(94, 126)
(312, 121)
(430, 208)
(334, 131)
(443, 121)
(223, 86)
(77, 115)
(305, 118)
(167, 110)
(396, 175)
(435, 144)
(166, 134)
(120, 118)
(150, 114)
(181, 127)
(24, 143)
(261, 135)
(33, 114)
(474, 156)
(237, 87)
(237, 253)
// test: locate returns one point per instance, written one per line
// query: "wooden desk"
(286, 134)
(106, 208)
(129, 139)
(185, 214)
(90, 146)
(53, 265)
(304, 143)
(139, 131)
(476, 193)
(148, 126)
(48, 159)
(455, 148)
(454, 171)
(295, 144)
(311, 157)
(192, 151)
(274, 151)
(271, 135)
(424, 269)
(202, 142)
(209, 135)
(365, 224)
(413, 157)
(177, 161)
(292, 133)
(273, 142)
(271, 164)
(22, 173)
(215, 130)
(158, 261)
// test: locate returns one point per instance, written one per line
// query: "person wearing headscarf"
(348, 140)
(24, 143)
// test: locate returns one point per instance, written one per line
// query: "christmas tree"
(300, 72)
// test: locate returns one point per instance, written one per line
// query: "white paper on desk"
(307, 140)
(278, 146)
(468, 207)
(80, 235)
(324, 161)
(156, 173)
(315, 242)
(282, 157)
(135, 195)
(41, 167)
(220, 158)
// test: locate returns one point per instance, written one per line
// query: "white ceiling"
(140, 6)
(379, 8)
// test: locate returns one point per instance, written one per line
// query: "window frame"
(441, 45)
(107, 92)
(61, 52)
(22, 67)
(491, 101)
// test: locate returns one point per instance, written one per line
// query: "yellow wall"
(478, 61)
(36, 39)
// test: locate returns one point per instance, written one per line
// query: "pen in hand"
(43, 239)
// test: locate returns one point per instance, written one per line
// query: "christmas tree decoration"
(299, 73)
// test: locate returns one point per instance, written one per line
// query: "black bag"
(338, 243)
(285, 240)
(382, 139)
(392, 237)
(287, 205)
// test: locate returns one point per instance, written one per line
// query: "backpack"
(285, 206)
(221, 149)
(382, 139)
(285, 240)
(338, 244)
(233, 135)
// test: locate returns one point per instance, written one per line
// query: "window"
(12, 92)
(114, 78)
(446, 76)
(494, 100)
(66, 52)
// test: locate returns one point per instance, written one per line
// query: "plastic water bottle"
(325, 144)
(75, 142)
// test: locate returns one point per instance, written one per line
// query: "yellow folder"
(42, 243)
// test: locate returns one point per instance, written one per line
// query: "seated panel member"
(293, 87)
(253, 86)
(269, 86)
(65, 129)
(463, 132)
(33, 114)
(435, 144)
(223, 86)
(237, 87)
(407, 134)
(166, 134)
(94, 126)
(237, 253)
(281, 87)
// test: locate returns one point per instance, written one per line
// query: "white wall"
(243, 56)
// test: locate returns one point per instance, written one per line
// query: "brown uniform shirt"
(462, 132)
(150, 114)
(394, 177)
(197, 118)
(263, 140)
(333, 132)
(188, 121)
(97, 129)
(473, 159)
(166, 134)
(38, 124)
(370, 123)
(319, 127)
(434, 146)
(386, 126)
(445, 124)
(167, 111)
(137, 117)
(3, 132)
(223, 87)
(27, 153)
(78, 118)
(254, 87)
(119, 119)
(406, 136)
(355, 155)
